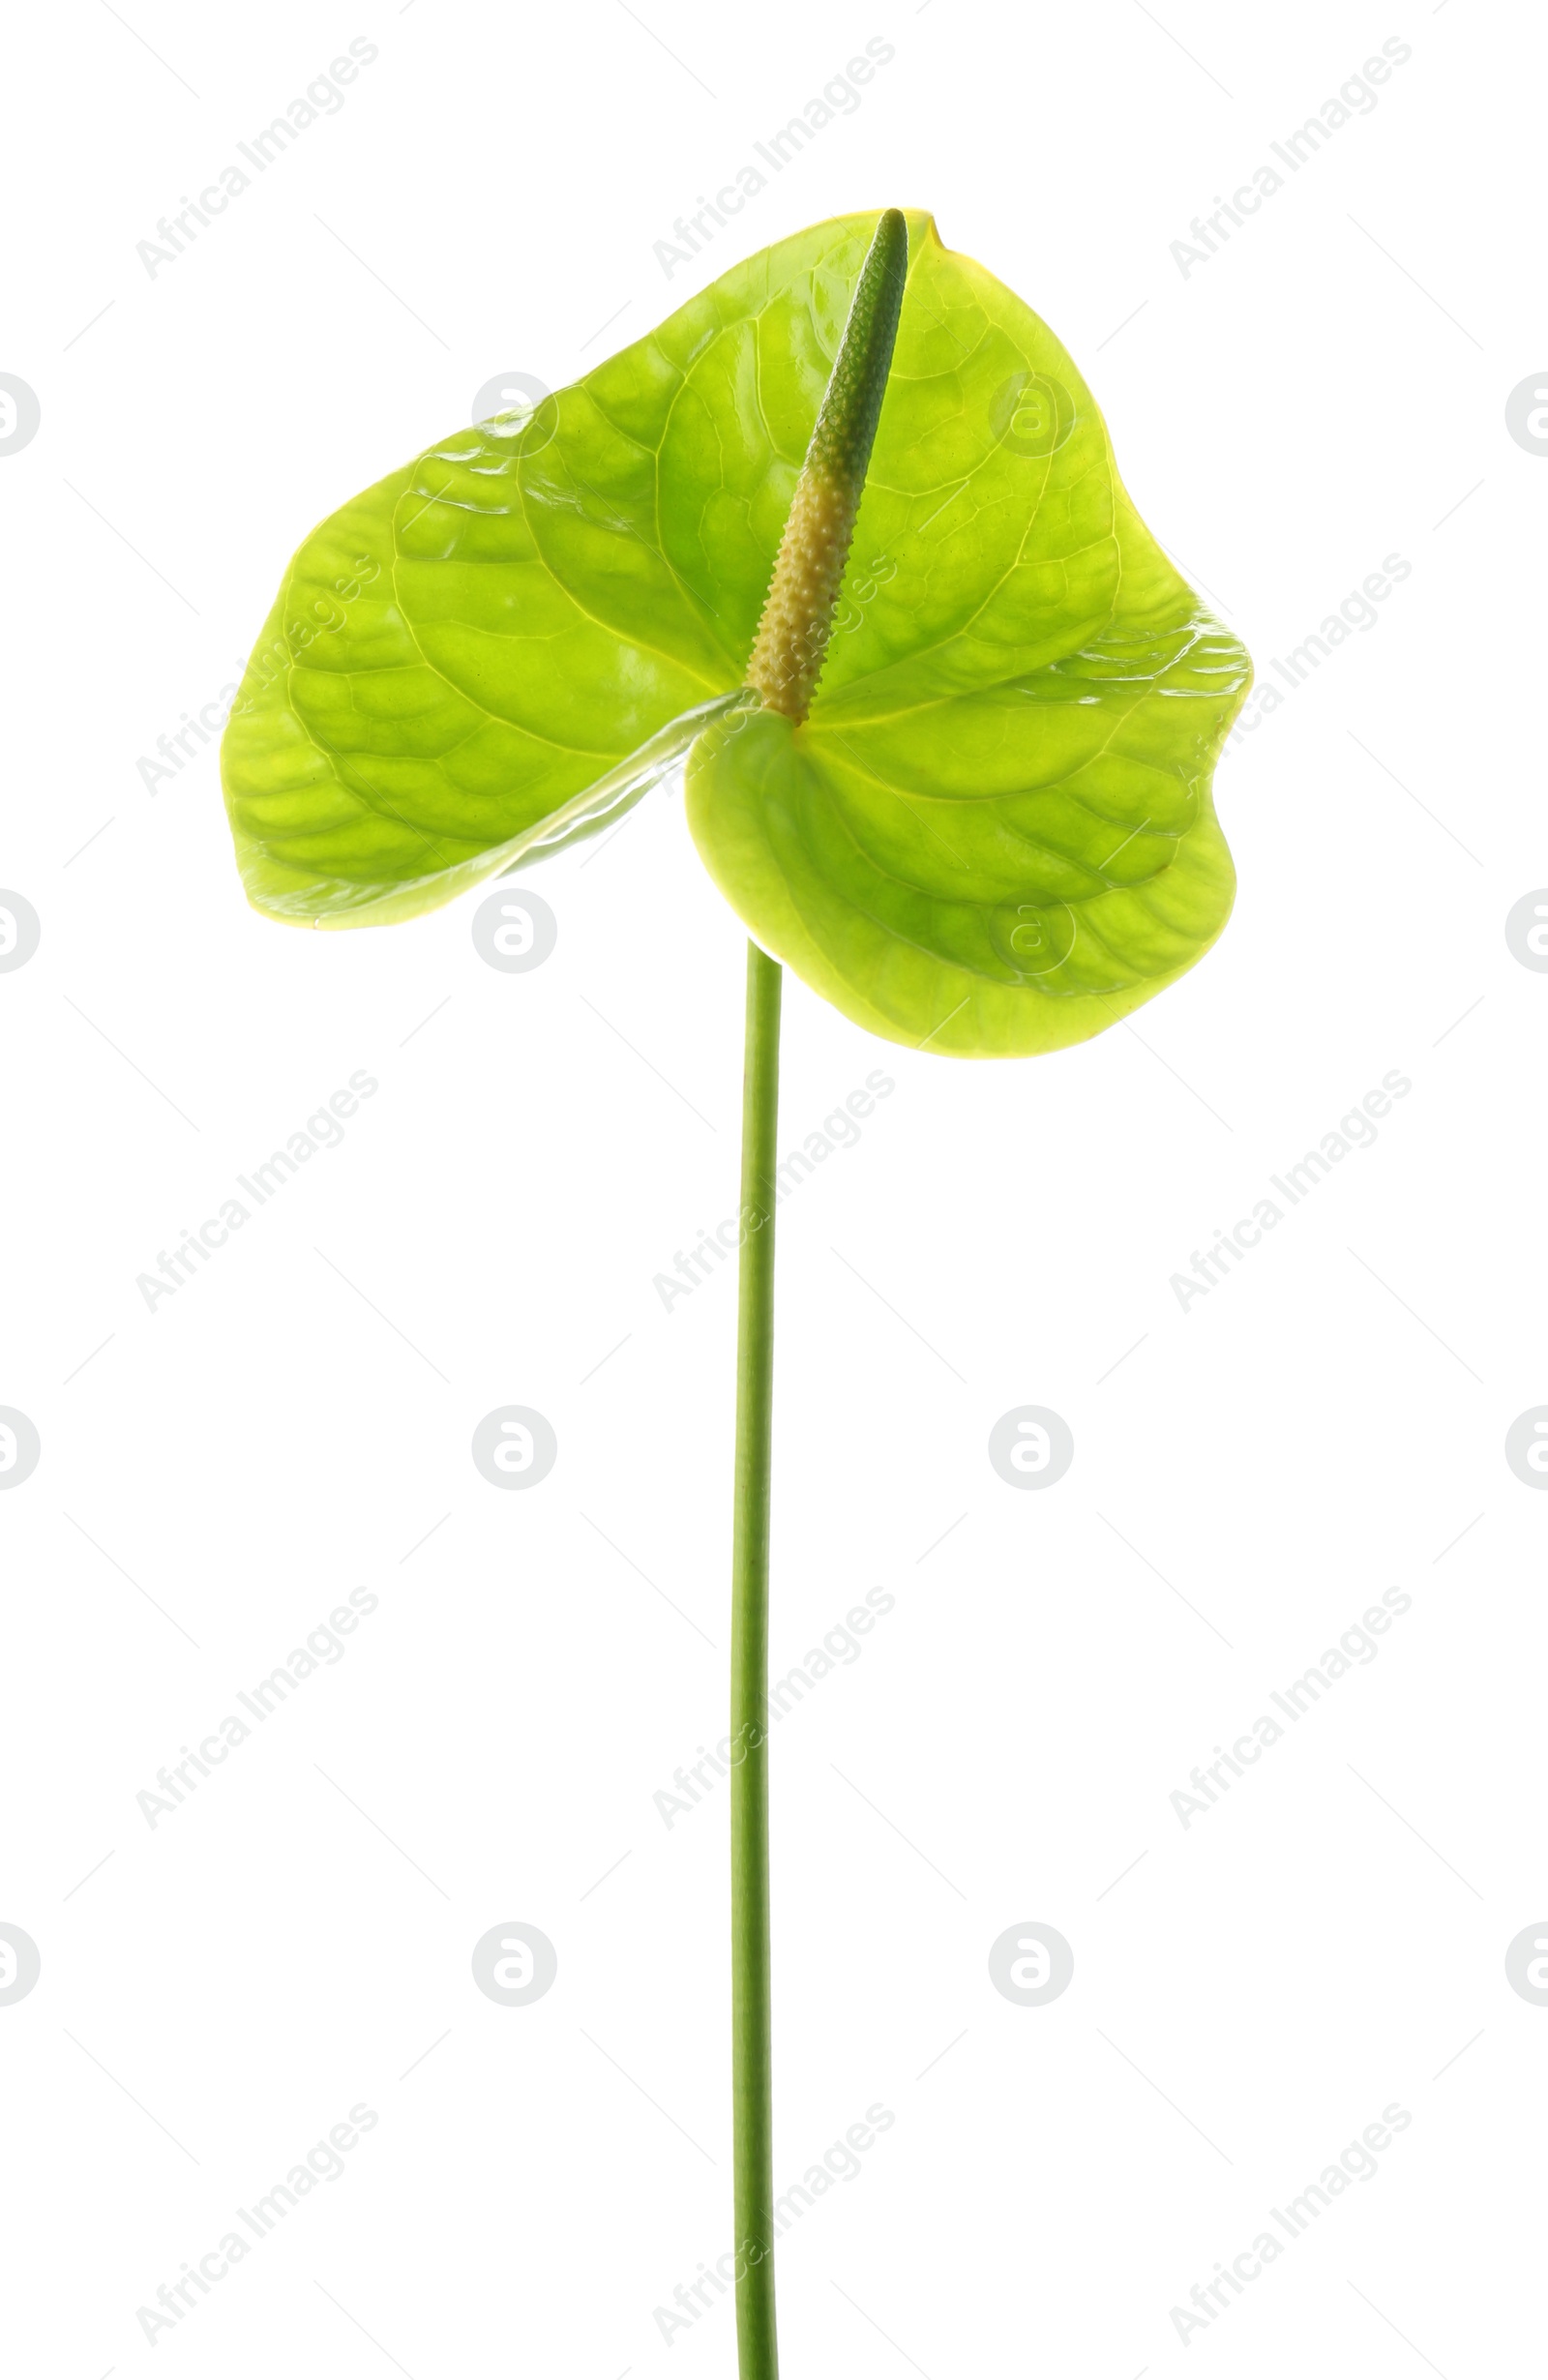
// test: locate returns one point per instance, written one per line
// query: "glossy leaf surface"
(993, 835)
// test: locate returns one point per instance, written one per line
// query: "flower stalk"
(785, 663)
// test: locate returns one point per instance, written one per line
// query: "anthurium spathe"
(992, 833)
(845, 540)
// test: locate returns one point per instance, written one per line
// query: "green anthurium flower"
(845, 539)
(974, 812)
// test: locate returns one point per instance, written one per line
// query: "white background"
(1250, 1473)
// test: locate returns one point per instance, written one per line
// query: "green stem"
(752, 2081)
(783, 670)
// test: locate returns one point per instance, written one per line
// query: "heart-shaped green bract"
(993, 835)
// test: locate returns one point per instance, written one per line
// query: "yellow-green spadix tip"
(793, 634)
